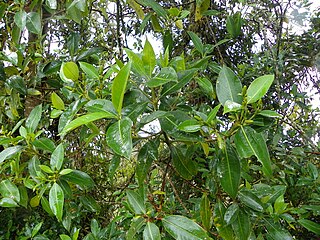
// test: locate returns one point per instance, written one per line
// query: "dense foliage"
(106, 135)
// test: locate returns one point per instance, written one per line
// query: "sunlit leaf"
(56, 200)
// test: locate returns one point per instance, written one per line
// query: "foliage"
(213, 138)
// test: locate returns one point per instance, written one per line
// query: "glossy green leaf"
(57, 157)
(270, 114)
(251, 200)
(229, 171)
(185, 166)
(56, 200)
(99, 105)
(224, 230)
(9, 152)
(136, 202)
(65, 237)
(197, 42)
(73, 43)
(206, 86)
(44, 144)
(275, 231)
(46, 206)
(205, 212)
(90, 70)
(148, 58)
(242, 226)
(69, 72)
(230, 106)
(119, 86)
(155, 6)
(80, 178)
(231, 213)
(119, 137)
(85, 119)
(34, 118)
(147, 154)
(20, 19)
(259, 87)
(151, 232)
(8, 202)
(46, 169)
(9, 190)
(180, 227)
(57, 101)
(33, 22)
(17, 83)
(249, 142)
(167, 74)
(310, 225)
(52, 4)
(135, 227)
(136, 63)
(228, 86)
(190, 125)
(36, 229)
(212, 115)
(279, 205)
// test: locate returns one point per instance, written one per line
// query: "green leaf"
(85, 119)
(20, 19)
(64, 237)
(233, 25)
(148, 58)
(270, 114)
(80, 178)
(259, 87)
(18, 84)
(242, 226)
(249, 199)
(44, 144)
(224, 230)
(34, 119)
(151, 232)
(197, 42)
(249, 142)
(185, 166)
(57, 101)
(205, 212)
(190, 125)
(228, 86)
(155, 6)
(90, 70)
(230, 106)
(36, 229)
(147, 154)
(99, 105)
(56, 200)
(229, 171)
(212, 115)
(119, 86)
(167, 74)
(136, 202)
(8, 202)
(69, 72)
(23, 196)
(136, 62)
(180, 227)
(310, 225)
(231, 214)
(206, 86)
(52, 4)
(9, 152)
(135, 227)
(119, 138)
(33, 22)
(57, 158)
(275, 231)
(137, 8)
(9, 190)
(90, 203)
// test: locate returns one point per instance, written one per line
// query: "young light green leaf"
(190, 125)
(151, 232)
(9, 190)
(197, 42)
(310, 225)
(242, 226)
(180, 227)
(57, 158)
(229, 171)
(270, 114)
(56, 200)
(8, 202)
(259, 87)
(230, 106)
(34, 119)
(182, 164)
(167, 74)
(69, 72)
(119, 137)
(85, 119)
(33, 22)
(20, 19)
(9, 152)
(80, 178)
(249, 199)
(57, 101)
(148, 58)
(119, 86)
(249, 142)
(205, 212)
(212, 115)
(136, 202)
(90, 70)
(233, 25)
(136, 62)
(36, 229)
(228, 86)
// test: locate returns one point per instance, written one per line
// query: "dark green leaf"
(205, 212)
(136, 202)
(251, 200)
(231, 214)
(206, 86)
(9, 152)
(44, 144)
(73, 43)
(34, 119)
(119, 86)
(9, 190)
(234, 23)
(229, 171)
(148, 58)
(18, 84)
(99, 105)
(57, 157)
(185, 166)
(23, 196)
(34, 22)
(167, 74)
(249, 142)
(310, 225)
(228, 86)
(212, 115)
(191, 125)
(80, 178)
(259, 87)
(181, 227)
(151, 232)
(119, 137)
(90, 203)
(155, 6)
(275, 231)
(242, 226)
(135, 227)
(224, 230)
(56, 200)
(197, 42)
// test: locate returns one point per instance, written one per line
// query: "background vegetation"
(106, 135)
